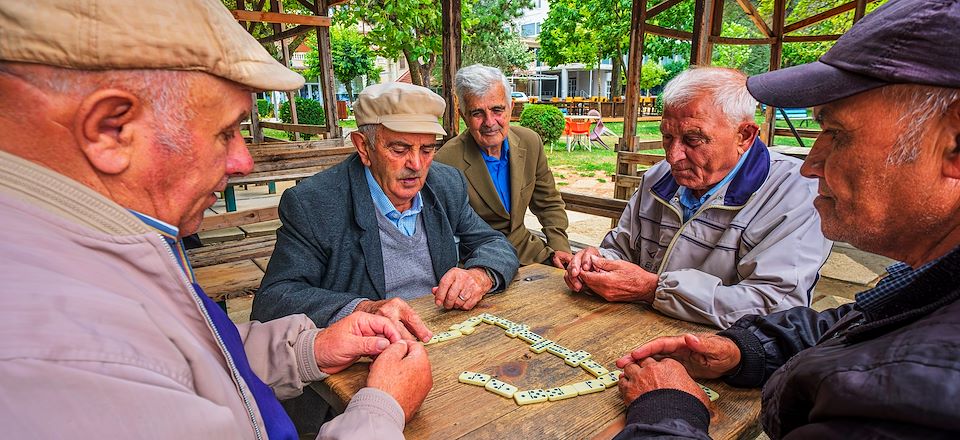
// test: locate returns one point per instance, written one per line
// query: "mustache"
(409, 175)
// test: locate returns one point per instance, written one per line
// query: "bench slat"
(248, 248)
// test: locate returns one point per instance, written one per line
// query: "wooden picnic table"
(539, 298)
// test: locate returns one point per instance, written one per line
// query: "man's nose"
(239, 161)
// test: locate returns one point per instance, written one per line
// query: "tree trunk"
(426, 71)
(615, 88)
(413, 65)
(349, 86)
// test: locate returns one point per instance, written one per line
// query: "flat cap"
(400, 107)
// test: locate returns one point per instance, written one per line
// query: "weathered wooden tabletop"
(540, 299)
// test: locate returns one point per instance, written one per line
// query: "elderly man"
(112, 150)
(384, 225)
(886, 366)
(721, 229)
(506, 168)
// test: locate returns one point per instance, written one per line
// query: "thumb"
(600, 263)
(372, 345)
(694, 343)
(394, 352)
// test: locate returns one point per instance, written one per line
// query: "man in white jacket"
(121, 121)
(723, 227)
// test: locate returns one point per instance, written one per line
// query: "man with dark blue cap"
(887, 96)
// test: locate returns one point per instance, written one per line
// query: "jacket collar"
(747, 181)
(478, 175)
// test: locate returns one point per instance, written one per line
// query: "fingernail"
(382, 344)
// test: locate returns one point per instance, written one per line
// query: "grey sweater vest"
(407, 267)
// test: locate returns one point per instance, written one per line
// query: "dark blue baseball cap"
(903, 41)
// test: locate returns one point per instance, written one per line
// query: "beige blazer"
(531, 186)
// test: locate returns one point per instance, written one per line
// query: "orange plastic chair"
(579, 129)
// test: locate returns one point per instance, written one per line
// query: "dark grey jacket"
(893, 372)
(328, 249)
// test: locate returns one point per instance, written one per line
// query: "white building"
(568, 80)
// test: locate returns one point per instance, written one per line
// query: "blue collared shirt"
(691, 204)
(406, 221)
(499, 170)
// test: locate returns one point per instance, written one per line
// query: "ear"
(104, 129)
(951, 151)
(360, 143)
(746, 134)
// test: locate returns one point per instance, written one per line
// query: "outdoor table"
(539, 298)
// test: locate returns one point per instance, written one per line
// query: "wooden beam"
(256, 132)
(860, 11)
(327, 87)
(803, 132)
(308, 5)
(638, 24)
(296, 128)
(640, 158)
(665, 32)
(289, 33)
(276, 17)
(601, 206)
(742, 41)
(662, 6)
(700, 49)
(810, 38)
(755, 17)
(832, 12)
(450, 13)
(238, 218)
(776, 58)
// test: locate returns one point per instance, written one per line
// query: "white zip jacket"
(754, 247)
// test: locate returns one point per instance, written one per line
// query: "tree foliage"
(260, 30)
(309, 111)
(652, 74)
(508, 55)
(411, 28)
(546, 120)
(352, 58)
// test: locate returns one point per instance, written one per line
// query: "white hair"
(164, 91)
(726, 87)
(477, 80)
(918, 105)
(369, 132)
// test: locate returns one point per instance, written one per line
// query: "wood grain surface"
(540, 299)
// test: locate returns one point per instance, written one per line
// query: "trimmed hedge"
(546, 120)
(309, 111)
(264, 108)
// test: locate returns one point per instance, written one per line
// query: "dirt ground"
(572, 181)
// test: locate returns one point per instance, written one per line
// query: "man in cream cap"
(121, 121)
(384, 226)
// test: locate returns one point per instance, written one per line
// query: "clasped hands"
(614, 280)
(672, 362)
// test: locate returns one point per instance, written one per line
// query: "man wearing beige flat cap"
(120, 122)
(384, 226)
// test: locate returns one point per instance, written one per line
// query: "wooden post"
(638, 17)
(860, 10)
(701, 48)
(276, 7)
(327, 86)
(776, 54)
(256, 132)
(451, 64)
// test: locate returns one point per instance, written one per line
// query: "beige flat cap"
(400, 107)
(195, 35)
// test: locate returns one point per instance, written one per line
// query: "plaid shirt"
(899, 276)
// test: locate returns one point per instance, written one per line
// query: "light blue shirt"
(691, 204)
(499, 170)
(406, 221)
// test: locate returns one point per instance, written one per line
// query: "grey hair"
(726, 87)
(369, 132)
(918, 105)
(164, 91)
(477, 80)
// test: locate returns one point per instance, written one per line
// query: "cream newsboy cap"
(400, 107)
(196, 35)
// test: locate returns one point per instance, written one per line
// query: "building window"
(530, 30)
(572, 86)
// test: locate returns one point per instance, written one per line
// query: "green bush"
(309, 111)
(546, 120)
(659, 104)
(264, 108)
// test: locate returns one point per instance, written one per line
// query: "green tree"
(411, 28)
(352, 58)
(651, 75)
(508, 55)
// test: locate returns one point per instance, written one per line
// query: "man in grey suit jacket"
(379, 228)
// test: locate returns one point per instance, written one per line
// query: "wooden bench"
(234, 268)
(285, 161)
(794, 114)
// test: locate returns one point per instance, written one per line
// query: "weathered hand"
(618, 280)
(580, 263)
(462, 289)
(704, 355)
(403, 371)
(405, 319)
(561, 259)
(651, 374)
(359, 334)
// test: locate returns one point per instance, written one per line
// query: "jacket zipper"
(666, 254)
(223, 348)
